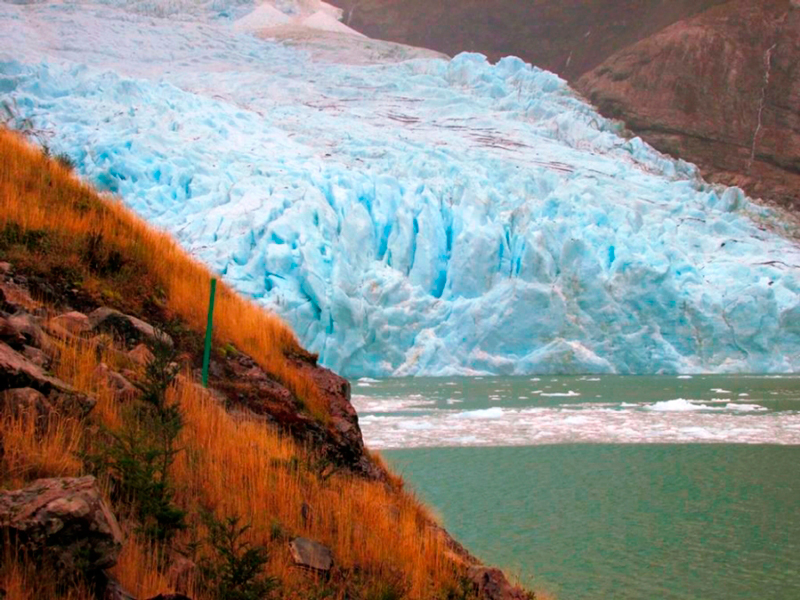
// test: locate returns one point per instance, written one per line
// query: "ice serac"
(408, 217)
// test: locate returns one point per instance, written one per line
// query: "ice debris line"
(406, 217)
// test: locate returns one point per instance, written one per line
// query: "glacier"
(405, 213)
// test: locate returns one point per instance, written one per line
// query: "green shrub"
(139, 456)
(65, 161)
(235, 571)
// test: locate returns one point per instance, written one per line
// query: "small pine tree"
(139, 456)
(235, 570)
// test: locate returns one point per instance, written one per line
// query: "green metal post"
(207, 353)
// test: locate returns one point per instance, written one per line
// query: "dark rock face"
(19, 401)
(64, 521)
(721, 89)
(245, 384)
(343, 431)
(491, 584)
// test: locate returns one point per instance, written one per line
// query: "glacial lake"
(599, 487)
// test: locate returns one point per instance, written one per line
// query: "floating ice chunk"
(415, 425)
(677, 405)
(720, 391)
(569, 394)
(488, 413)
(698, 432)
(684, 377)
(745, 407)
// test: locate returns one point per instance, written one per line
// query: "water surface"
(591, 488)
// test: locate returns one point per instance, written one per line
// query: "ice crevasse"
(407, 215)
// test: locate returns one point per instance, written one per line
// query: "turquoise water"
(577, 492)
(624, 521)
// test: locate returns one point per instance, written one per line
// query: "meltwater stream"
(590, 488)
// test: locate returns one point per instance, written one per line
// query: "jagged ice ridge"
(406, 215)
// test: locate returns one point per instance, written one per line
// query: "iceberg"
(406, 214)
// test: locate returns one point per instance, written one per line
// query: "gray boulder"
(130, 329)
(28, 329)
(64, 522)
(311, 555)
(36, 356)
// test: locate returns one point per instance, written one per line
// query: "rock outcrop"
(131, 330)
(491, 584)
(246, 385)
(64, 521)
(16, 371)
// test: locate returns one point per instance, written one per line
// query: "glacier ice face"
(407, 217)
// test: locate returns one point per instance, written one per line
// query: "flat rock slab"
(311, 555)
(64, 521)
(18, 371)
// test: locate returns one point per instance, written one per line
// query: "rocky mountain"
(713, 82)
(568, 38)
(721, 89)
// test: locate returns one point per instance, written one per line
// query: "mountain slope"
(689, 77)
(568, 38)
(721, 89)
(408, 215)
(247, 447)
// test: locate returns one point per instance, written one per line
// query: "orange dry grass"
(35, 449)
(229, 465)
(240, 466)
(23, 580)
(38, 194)
(236, 467)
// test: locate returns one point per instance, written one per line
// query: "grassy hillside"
(76, 247)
